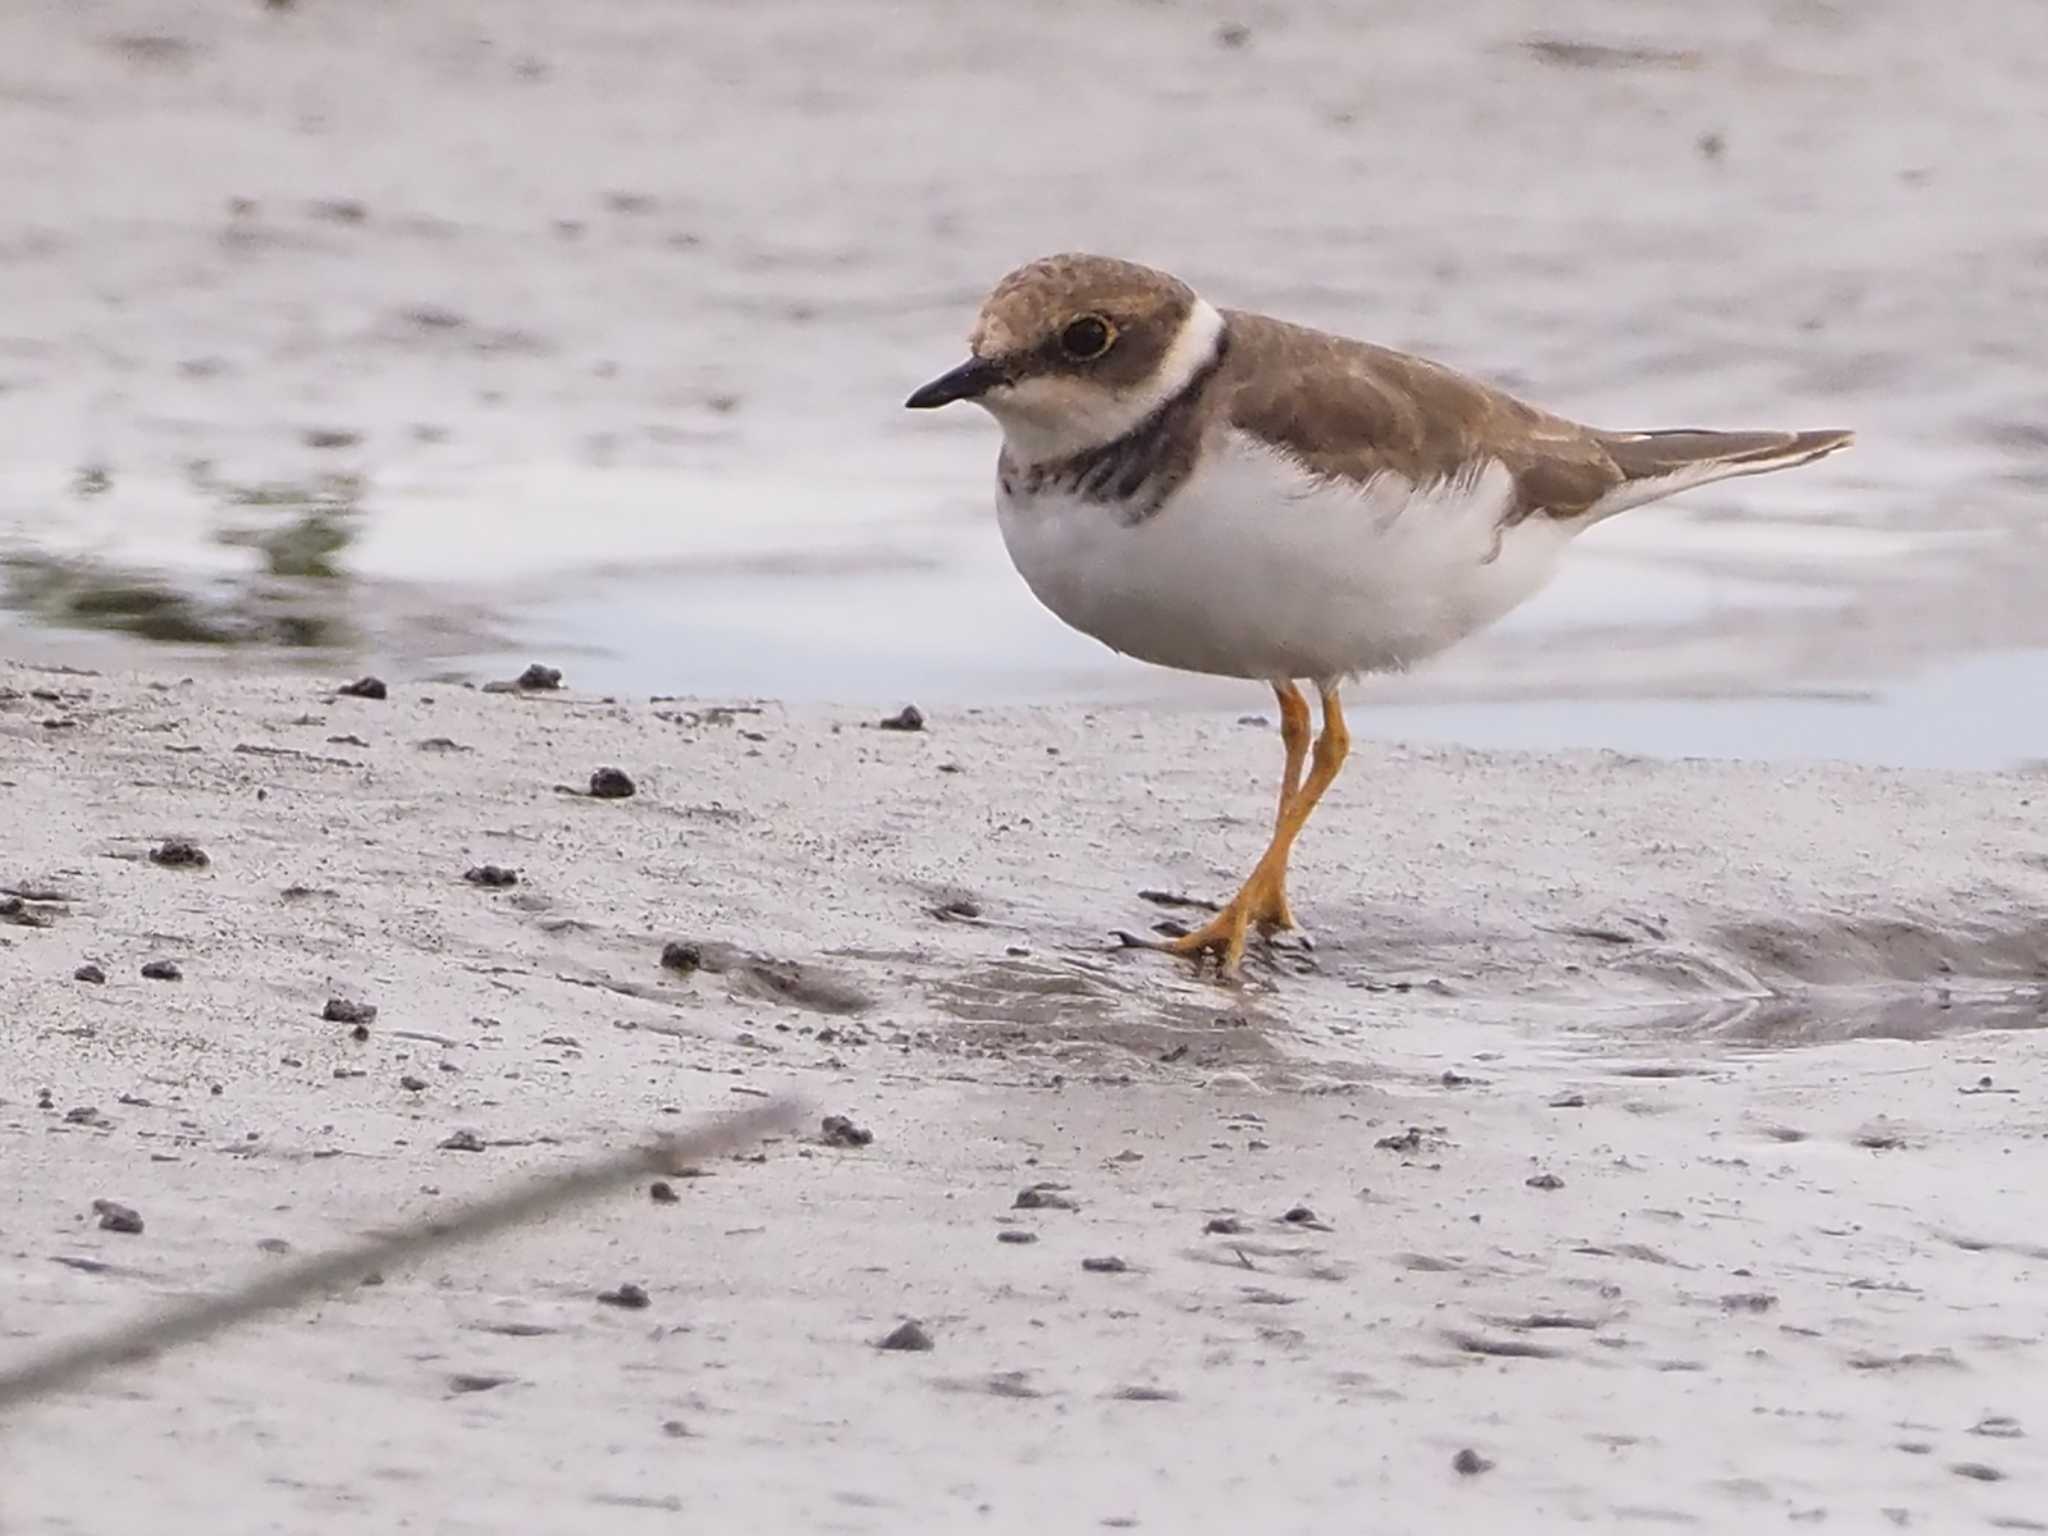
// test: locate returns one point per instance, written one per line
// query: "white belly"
(1257, 569)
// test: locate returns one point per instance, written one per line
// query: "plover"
(1226, 493)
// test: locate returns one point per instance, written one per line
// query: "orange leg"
(1263, 899)
(1295, 731)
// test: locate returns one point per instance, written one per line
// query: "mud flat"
(1669, 1137)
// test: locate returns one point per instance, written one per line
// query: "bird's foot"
(1262, 904)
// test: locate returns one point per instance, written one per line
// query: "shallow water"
(609, 312)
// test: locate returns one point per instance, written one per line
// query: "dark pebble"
(1409, 1140)
(1975, 1470)
(115, 1217)
(537, 677)
(162, 970)
(273, 1245)
(91, 973)
(1469, 1463)
(340, 1010)
(1544, 1181)
(1016, 1235)
(360, 1032)
(908, 1336)
(412, 1084)
(681, 957)
(1110, 1264)
(838, 1131)
(1224, 1226)
(908, 718)
(1301, 1216)
(463, 1141)
(610, 784)
(1042, 1197)
(661, 1192)
(630, 1296)
(364, 688)
(475, 1381)
(1749, 1301)
(958, 909)
(84, 1114)
(179, 853)
(492, 875)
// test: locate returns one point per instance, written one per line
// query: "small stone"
(1233, 34)
(1568, 1101)
(412, 1084)
(1016, 1235)
(1749, 1301)
(360, 1033)
(1108, 1264)
(1999, 1426)
(91, 973)
(1469, 1463)
(1224, 1226)
(475, 1381)
(537, 677)
(364, 688)
(1302, 1216)
(681, 957)
(1544, 1181)
(907, 1336)
(84, 1114)
(179, 853)
(340, 1010)
(611, 784)
(162, 970)
(838, 1131)
(1409, 1140)
(495, 876)
(1977, 1471)
(116, 1217)
(908, 718)
(629, 1296)
(1043, 1197)
(661, 1192)
(463, 1141)
(273, 1245)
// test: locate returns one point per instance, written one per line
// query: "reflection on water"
(290, 591)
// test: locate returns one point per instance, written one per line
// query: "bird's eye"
(1087, 338)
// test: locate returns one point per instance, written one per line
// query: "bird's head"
(1070, 352)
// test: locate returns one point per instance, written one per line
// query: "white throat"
(1045, 418)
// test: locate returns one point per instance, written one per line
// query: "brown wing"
(1348, 408)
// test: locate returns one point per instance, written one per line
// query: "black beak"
(972, 379)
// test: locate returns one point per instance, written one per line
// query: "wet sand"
(609, 311)
(1667, 1136)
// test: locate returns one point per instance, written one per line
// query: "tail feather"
(1654, 465)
